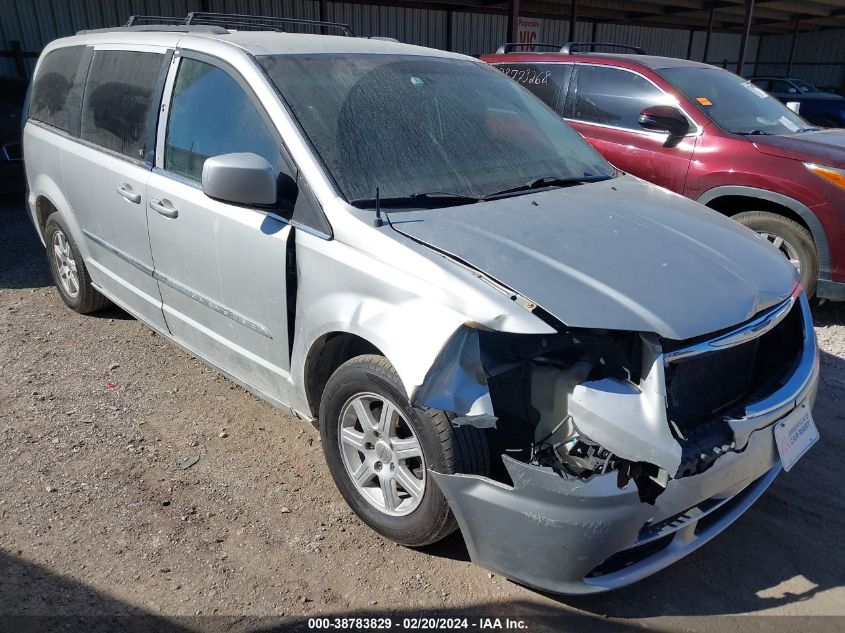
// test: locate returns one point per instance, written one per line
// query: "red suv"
(709, 135)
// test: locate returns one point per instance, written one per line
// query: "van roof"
(261, 42)
(274, 43)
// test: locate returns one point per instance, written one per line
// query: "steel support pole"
(513, 21)
(709, 33)
(792, 48)
(324, 15)
(746, 31)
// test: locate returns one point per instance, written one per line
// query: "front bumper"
(568, 535)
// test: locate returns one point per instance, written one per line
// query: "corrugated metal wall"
(36, 22)
(819, 56)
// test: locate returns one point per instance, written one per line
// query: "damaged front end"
(612, 449)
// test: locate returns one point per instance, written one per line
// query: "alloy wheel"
(784, 246)
(381, 454)
(65, 264)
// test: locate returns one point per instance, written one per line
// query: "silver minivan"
(492, 327)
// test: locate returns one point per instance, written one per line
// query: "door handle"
(164, 208)
(125, 192)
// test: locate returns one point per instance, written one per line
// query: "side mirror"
(793, 91)
(664, 118)
(241, 179)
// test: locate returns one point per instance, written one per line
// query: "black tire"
(796, 236)
(445, 449)
(87, 299)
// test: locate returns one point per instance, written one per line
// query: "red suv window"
(611, 96)
(547, 81)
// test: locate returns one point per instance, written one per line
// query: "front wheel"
(791, 239)
(379, 449)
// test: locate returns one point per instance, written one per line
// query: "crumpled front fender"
(408, 317)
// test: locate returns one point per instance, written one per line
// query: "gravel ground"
(99, 516)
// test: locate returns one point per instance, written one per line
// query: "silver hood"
(619, 254)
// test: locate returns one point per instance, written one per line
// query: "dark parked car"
(12, 94)
(711, 136)
(817, 106)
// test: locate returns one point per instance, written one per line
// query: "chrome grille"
(706, 381)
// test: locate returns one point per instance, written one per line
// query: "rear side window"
(547, 81)
(119, 97)
(57, 91)
(782, 86)
(210, 114)
(613, 97)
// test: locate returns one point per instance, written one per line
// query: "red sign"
(529, 32)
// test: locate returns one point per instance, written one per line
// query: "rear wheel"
(69, 272)
(379, 449)
(791, 239)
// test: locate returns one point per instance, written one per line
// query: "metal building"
(799, 37)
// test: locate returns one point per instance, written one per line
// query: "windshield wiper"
(544, 181)
(754, 133)
(432, 198)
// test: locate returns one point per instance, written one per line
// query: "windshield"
(425, 125)
(736, 105)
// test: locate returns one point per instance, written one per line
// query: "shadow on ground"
(28, 592)
(829, 313)
(22, 260)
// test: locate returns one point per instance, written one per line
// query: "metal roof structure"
(774, 36)
(767, 16)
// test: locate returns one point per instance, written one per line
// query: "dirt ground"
(98, 517)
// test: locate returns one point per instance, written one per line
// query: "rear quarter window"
(119, 95)
(57, 90)
(547, 81)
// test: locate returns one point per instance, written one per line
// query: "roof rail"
(510, 46)
(151, 20)
(158, 28)
(576, 47)
(261, 22)
(235, 21)
(570, 47)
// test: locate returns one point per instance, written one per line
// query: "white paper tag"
(750, 87)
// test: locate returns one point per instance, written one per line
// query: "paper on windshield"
(750, 87)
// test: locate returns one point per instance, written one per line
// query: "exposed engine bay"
(588, 403)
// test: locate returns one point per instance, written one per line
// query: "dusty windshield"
(736, 105)
(425, 125)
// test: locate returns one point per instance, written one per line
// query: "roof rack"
(570, 47)
(151, 20)
(240, 22)
(575, 47)
(510, 46)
